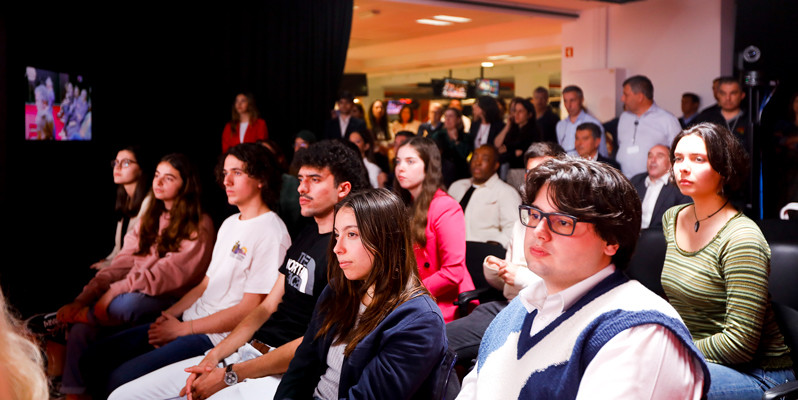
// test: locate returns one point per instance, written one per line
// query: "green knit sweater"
(721, 293)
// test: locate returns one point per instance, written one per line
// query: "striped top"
(721, 293)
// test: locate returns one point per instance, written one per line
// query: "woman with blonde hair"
(21, 373)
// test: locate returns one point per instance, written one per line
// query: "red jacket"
(255, 132)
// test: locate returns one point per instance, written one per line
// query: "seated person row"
(509, 275)
(717, 266)
(584, 330)
(250, 246)
(165, 254)
(260, 348)
(488, 203)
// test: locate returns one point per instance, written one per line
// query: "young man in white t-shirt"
(249, 249)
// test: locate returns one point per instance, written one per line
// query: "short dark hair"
(343, 161)
(530, 109)
(346, 95)
(640, 83)
(541, 89)
(575, 89)
(692, 96)
(724, 152)
(543, 149)
(589, 126)
(406, 134)
(593, 192)
(260, 164)
(724, 80)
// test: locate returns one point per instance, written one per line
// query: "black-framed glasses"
(124, 163)
(559, 223)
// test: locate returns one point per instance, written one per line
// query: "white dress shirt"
(650, 200)
(643, 362)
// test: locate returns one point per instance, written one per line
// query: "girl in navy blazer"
(375, 332)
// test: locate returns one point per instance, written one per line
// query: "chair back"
(648, 259)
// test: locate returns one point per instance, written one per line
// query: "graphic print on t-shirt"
(301, 273)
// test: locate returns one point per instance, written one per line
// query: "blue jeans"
(128, 309)
(128, 355)
(731, 384)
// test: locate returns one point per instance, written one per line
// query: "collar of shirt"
(662, 180)
(493, 178)
(536, 296)
(579, 118)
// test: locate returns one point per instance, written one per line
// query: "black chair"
(648, 259)
(484, 292)
(783, 287)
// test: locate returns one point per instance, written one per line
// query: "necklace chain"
(698, 221)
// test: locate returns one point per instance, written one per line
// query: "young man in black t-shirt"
(260, 348)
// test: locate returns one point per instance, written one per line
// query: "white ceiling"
(387, 39)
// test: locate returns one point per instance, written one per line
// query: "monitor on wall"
(57, 106)
(455, 88)
(487, 87)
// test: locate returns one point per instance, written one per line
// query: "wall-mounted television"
(57, 106)
(455, 88)
(395, 106)
(487, 87)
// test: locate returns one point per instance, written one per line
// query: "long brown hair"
(127, 206)
(383, 228)
(252, 110)
(184, 216)
(429, 153)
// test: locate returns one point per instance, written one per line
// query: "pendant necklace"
(698, 221)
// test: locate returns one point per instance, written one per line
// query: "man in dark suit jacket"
(345, 123)
(655, 188)
(587, 141)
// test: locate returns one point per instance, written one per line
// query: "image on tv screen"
(57, 106)
(455, 88)
(394, 106)
(487, 87)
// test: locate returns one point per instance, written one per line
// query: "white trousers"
(166, 383)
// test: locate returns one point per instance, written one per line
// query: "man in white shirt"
(642, 125)
(655, 188)
(574, 102)
(344, 123)
(584, 330)
(489, 204)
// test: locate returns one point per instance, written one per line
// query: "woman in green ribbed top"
(717, 266)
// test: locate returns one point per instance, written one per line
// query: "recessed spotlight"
(487, 64)
(499, 57)
(452, 18)
(426, 21)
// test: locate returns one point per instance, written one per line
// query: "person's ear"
(343, 190)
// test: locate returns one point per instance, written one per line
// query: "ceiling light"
(452, 18)
(487, 64)
(499, 57)
(426, 21)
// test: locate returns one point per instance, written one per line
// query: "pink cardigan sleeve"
(118, 269)
(175, 272)
(448, 225)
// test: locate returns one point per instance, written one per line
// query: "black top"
(547, 123)
(305, 270)
(519, 139)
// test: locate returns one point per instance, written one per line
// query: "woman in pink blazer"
(245, 119)
(436, 222)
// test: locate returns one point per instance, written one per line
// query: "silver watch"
(230, 377)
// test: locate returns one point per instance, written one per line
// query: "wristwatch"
(230, 377)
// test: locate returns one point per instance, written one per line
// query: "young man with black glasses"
(584, 329)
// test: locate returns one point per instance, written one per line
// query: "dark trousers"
(465, 334)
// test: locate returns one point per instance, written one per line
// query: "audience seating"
(648, 259)
(484, 292)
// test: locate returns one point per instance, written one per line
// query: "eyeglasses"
(124, 163)
(559, 223)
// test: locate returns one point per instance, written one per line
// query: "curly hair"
(342, 158)
(724, 152)
(259, 164)
(20, 359)
(593, 192)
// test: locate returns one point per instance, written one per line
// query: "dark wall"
(165, 79)
(770, 26)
